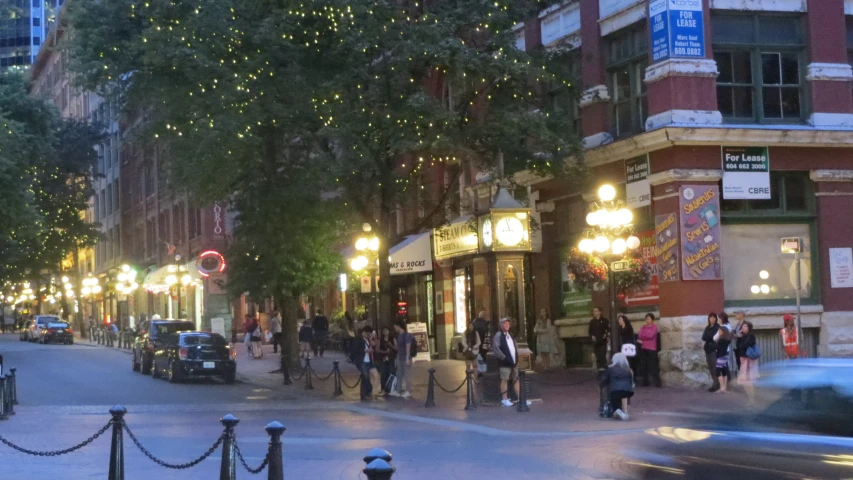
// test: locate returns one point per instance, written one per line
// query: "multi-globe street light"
(91, 287)
(368, 245)
(609, 236)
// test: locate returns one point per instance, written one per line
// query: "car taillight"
(182, 354)
(150, 345)
(51, 330)
(233, 354)
(69, 330)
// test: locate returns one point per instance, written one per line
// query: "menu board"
(699, 218)
(418, 330)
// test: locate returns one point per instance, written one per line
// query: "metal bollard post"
(430, 401)
(470, 404)
(308, 384)
(275, 469)
(378, 465)
(117, 445)
(7, 396)
(14, 377)
(3, 415)
(522, 393)
(338, 388)
(228, 466)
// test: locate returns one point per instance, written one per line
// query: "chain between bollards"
(117, 446)
(307, 372)
(337, 371)
(430, 401)
(378, 465)
(522, 392)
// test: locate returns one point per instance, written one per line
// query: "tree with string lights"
(394, 100)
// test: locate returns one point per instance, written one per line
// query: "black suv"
(149, 338)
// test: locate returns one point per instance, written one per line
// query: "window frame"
(756, 49)
(782, 216)
(556, 91)
(636, 62)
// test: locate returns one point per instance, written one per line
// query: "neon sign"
(210, 261)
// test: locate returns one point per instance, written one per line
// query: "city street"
(65, 392)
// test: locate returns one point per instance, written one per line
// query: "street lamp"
(91, 288)
(609, 236)
(368, 245)
(126, 284)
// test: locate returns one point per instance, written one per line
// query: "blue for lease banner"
(678, 29)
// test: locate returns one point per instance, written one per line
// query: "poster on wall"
(746, 173)
(419, 332)
(677, 29)
(638, 192)
(647, 294)
(840, 267)
(699, 219)
(217, 325)
(666, 247)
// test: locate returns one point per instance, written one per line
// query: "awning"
(412, 255)
(155, 280)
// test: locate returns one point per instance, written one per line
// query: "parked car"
(32, 332)
(149, 338)
(194, 354)
(56, 332)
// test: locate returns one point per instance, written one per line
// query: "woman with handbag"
(385, 354)
(626, 337)
(749, 354)
(544, 331)
(710, 348)
(469, 347)
(256, 335)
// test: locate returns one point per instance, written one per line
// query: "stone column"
(828, 73)
(594, 101)
(444, 321)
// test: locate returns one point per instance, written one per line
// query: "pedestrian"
(320, 325)
(736, 331)
(256, 335)
(385, 355)
(619, 378)
(306, 339)
(724, 323)
(275, 330)
(365, 362)
(648, 361)
(790, 339)
(627, 340)
(481, 326)
(545, 338)
(469, 347)
(747, 345)
(710, 348)
(599, 333)
(348, 335)
(723, 340)
(505, 348)
(404, 361)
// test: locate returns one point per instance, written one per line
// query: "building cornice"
(838, 72)
(831, 175)
(681, 67)
(685, 175)
(593, 95)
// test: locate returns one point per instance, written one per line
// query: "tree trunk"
(289, 331)
(77, 281)
(387, 313)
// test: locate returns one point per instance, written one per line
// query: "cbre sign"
(677, 29)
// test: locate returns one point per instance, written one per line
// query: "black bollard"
(7, 396)
(117, 445)
(308, 384)
(338, 388)
(430, 401)
(3, 415)
(522, 393)
(378, 465)
(470, 404)
(14, 377)
(275, 469)
(228, 466)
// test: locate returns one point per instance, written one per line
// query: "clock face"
(510, 231)
(487, 233)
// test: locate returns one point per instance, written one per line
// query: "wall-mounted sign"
(746, 173)
(699, 209)
(649, 293)
(841, 267)
(209, 262)
(638, 192)
(412, 255)
(218, 219)
(666, 247)
(677, 29)
(458, 238)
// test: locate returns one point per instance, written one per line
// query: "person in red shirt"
(790, 340)
(648, 340)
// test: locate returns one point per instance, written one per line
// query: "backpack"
(414, 347)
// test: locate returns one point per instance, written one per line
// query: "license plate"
(209, 365)
(61, 331)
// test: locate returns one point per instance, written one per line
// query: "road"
(65, 392)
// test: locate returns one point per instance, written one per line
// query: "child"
(306, 338)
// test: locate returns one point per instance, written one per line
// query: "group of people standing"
(723, 341)
(384, 361)
(313, 335)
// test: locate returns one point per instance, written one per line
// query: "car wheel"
(174, 374)
(229, 378)
(146, 365)
(133, 364)
(70, 342)
(154, 372)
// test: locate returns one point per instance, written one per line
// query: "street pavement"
(66, 391)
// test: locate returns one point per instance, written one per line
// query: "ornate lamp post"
(126, 284)
(609, 236)
(91, 288)
(367, 245)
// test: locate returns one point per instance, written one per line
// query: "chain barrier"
(57, 453)
(177, 466)
(253, 471)
(300, 375)
(353, 385)
(451, 391)
(323, 379)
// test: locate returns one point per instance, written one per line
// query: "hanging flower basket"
(586, 271)
(638, 275)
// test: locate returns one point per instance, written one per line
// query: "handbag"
(391, 384)
(481, 364)
(753, 352)
(629, 350)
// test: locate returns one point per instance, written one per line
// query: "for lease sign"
(746, 173)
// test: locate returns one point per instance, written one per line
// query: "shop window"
(754, 269)
(760, 64)
(627, 59)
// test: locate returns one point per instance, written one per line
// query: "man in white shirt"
(504, 347)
